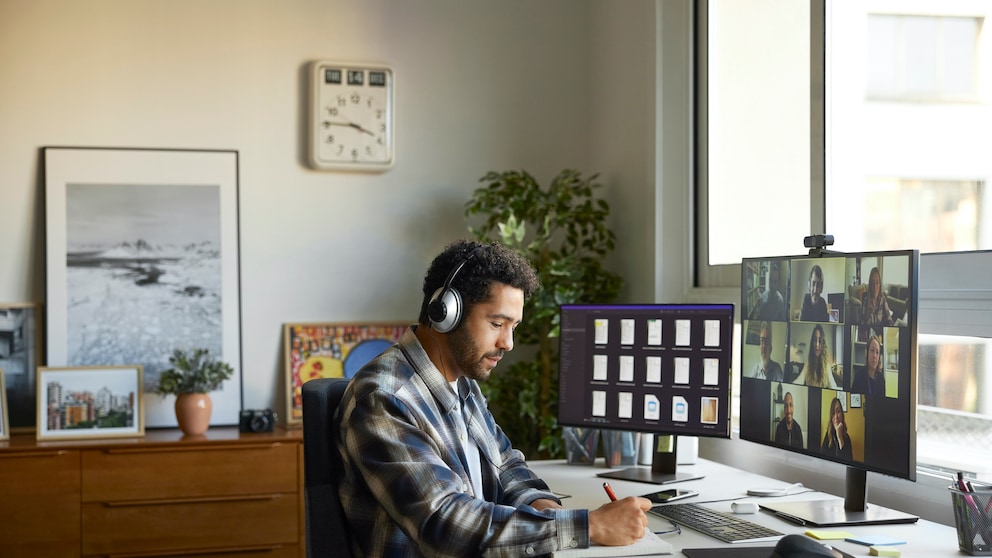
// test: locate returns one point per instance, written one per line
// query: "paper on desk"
(875, 540)
(649, 545)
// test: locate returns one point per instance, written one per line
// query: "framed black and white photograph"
(143, 259)
(90, 402)
(4, 422)
(20, 355)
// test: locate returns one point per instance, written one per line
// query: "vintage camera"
(254, 420)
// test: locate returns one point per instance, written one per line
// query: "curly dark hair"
(490, 263)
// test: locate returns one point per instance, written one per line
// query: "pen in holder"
(971, 517)
(581, 444)
(620, 447)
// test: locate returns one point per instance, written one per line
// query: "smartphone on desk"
(670, 495)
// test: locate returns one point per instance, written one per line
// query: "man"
(766, 368)
(788, 432)
(771, 304)
(428, 472)
(814, 307)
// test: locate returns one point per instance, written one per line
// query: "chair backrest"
(327, 529)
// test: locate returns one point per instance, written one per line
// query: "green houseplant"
(562, 231)
(192, 377)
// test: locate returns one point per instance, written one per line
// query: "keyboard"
(723, 526)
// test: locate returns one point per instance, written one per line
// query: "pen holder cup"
(972, 511)
(620, 447)
(581, 444)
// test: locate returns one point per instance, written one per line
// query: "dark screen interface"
(659, 368)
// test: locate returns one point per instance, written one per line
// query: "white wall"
(480, 86)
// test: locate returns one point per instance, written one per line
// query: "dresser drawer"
(126, 473)
(224, 524)
(40, 494)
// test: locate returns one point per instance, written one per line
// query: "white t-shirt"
(474, 461)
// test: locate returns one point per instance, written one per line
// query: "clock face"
(351, 117)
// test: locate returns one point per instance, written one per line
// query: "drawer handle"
(176, 449)
(201, 551)
(40, 453)
(205, 500)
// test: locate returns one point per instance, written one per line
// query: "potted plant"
(562, 231)
(191, 379)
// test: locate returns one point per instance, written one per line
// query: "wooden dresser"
(222, 494)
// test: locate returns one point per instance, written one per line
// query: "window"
(906, 126)
(889, 150)
(882, 140)
(752, 102)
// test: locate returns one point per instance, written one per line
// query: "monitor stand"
(662, 469)
(854, 509)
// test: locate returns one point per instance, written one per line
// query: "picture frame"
(90, 402)
(330, 350)
(20, 355)
(143, 259)
(855, 400)
(4, 421)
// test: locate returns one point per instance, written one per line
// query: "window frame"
(705, 275)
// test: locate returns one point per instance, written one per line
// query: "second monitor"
(663, 369)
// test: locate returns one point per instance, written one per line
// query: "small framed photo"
(20, 356)
(855, 400)
(330, 350)
(90, 402)
(4, 421)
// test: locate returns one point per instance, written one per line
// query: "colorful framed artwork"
(4, 422)
(90, 402)
(20, 355)
(330, 350)
(143, 259)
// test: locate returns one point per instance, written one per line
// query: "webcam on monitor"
(817, 244)
(818, 241)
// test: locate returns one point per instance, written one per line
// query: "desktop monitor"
(656, 368)
(828, 369)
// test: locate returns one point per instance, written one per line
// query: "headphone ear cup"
(445, 310)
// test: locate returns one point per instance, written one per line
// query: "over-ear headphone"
(445, 308)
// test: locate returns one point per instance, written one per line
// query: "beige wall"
(480, 86)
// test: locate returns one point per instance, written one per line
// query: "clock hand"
(350, 125)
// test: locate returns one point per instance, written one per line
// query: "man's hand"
(544, 504)
(619, 523)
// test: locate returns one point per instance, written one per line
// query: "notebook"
(649, 545)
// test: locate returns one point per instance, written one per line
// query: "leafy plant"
(194, 372)
(562, 231)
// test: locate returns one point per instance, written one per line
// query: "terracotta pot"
(193, 412)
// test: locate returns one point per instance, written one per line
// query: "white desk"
(720, 486)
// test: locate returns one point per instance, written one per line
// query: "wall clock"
(351, 116)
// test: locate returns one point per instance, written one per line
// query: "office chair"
(326, 526)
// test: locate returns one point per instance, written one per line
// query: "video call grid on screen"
(879, 414)
(662, 368)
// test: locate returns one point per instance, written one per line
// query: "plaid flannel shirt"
(406, 489)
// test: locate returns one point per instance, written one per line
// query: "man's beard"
(468, 357)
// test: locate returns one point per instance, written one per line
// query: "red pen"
(609, 491)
